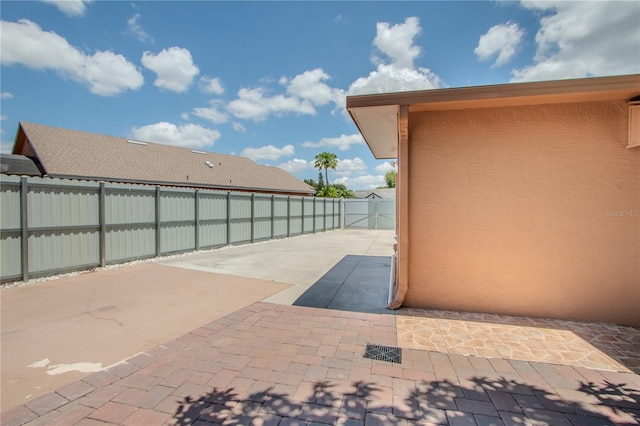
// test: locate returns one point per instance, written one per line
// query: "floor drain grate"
(383, 353)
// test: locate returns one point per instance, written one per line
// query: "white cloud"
(6, 147)
(296, 165)
(6, 95)
(134, 28)
(253, 105)
(174, 67)
(212, 113)
(310, 85)
(186, 135)
(397, 41)
(105, 72)
(238, 127)
(361, 182)
(581, 39)
(342, 142)
(346, 167)
(399, 74)
(268, 152)
(389, 78)
(211, 85)
(384, 167)
(501, 40)
(70, 7)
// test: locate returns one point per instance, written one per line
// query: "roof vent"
(132, 142)
(195, 151)
(208, 163)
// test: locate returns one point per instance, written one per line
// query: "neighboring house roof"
(386, 193)
(377, 115)
(19, 165)
(74, 154)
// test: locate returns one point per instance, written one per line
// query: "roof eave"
(367, 110)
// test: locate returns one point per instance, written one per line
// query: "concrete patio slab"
(300, 261)
(58, 331)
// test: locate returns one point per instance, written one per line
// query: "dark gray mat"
(356, 283)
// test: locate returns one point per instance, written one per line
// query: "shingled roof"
(74, 154)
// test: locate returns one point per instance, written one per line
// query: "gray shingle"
(81, 155)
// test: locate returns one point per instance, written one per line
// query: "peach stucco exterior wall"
(528, 210)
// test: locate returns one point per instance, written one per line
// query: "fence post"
(324, 216)
(197, 219)
(229, 218)
(314, 215)
(302, 227)
(24, 228)
(273, 222)
(158, 234)
(341, 222)
(288, 216)
(253, 215)
(102, 198)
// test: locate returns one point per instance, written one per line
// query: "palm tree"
(326, 160)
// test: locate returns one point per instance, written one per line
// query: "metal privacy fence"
(370, 213)
(50, 226)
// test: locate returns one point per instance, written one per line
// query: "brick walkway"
(271, 364)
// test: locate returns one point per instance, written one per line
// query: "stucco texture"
(526, 210)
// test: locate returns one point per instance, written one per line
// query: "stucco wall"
(530, 210)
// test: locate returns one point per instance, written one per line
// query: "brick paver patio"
(271, 364)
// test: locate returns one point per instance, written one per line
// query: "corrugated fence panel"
(280, 216)
(262, 217)
(330, 214)
(371, 214)
(308, 222)
(386, 214)
(64, 229)
(177, 218)
(356, 214)
(319, 224)
(130, 216)
(295, 218)
(213, 218)
(240, 231)
(11, 238)
(63, 225)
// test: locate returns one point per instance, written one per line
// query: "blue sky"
(268, 80)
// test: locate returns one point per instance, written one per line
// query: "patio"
(271, 362)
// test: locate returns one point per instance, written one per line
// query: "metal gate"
(370, 213)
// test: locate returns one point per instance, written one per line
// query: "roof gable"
(82, 155)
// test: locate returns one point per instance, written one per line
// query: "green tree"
(342, 191)
(390, 178)
(326, 161)
(328, 191)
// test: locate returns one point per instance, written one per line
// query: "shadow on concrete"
(496, 401)
(356, 284)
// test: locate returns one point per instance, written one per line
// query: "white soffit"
(379, 127)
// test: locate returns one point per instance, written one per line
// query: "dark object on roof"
(74, 154)
(19, 165)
